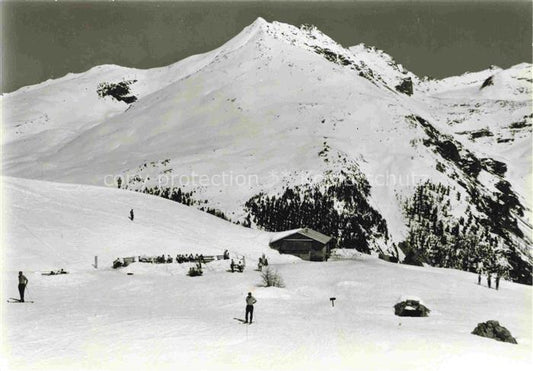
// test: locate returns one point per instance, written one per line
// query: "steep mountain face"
(283, 127)
(490, 113)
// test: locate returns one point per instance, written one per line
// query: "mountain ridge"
(293, 102)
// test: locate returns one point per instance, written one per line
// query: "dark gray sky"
(43, 40)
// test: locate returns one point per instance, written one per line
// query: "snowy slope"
(246, 120)
(513, 83)
(382, 65)
(104, 319)
(40, 109)
(50, 226)
(493, 121)
(280, 106)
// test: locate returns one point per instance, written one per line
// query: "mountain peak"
(259, 22)
(294, 113)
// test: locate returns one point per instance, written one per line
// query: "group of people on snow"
(239, 266)
(263, 261)
(162, 259)
(190, 258)
(250, 300)
(495, 272)
(180, 258)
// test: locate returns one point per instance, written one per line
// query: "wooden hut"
(304, 243)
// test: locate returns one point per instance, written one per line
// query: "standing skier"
(479, 272)
(488, 279)
(250, 301)
(23, 281)
(131, 215)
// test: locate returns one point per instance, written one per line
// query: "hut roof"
(308, 232)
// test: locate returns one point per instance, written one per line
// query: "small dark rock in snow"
(411, 306)
(406, 86)
(493, 330)
(487, 82)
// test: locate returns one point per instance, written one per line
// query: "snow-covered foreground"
(161, 318)
(105, 319)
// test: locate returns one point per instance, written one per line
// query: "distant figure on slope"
(501, 271)
(23, 281)
(488, 279)
(250, 301)
(131, 215)
(232, 266)
(479, 272)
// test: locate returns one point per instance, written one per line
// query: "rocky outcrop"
(410, 306)
(488, 82)
(406, 86)
(494, 166)
(493, 330)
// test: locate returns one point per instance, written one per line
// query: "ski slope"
(106, 320)
(159, 318)
(51, 225)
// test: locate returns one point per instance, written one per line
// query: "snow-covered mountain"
(282, 127)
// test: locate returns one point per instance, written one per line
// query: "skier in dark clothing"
(497, 280)
(250, 301)
(131, 215)
(488, 279)
(479, 270)
(23, 281)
